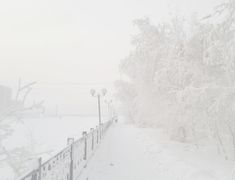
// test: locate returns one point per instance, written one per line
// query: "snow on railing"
(69, 163)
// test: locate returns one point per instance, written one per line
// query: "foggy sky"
(67, 41)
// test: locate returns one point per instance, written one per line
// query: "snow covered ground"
(127, 152)
(131, 153)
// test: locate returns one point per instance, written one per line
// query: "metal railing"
(69, 163)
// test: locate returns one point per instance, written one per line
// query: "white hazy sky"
(75, 40)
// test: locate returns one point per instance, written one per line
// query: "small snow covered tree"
(16, 158)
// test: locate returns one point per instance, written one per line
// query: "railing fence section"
(69, 163)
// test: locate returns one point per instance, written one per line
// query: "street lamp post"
(98, 95)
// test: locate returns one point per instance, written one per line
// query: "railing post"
(92, 133)
(84, 134)
(70, 142)
(40, 168)
(34, 175)
(97, 135)
(101, 125)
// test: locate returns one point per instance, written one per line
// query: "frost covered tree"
(181, 75)
(19, 157)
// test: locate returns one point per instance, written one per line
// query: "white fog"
(117, 90)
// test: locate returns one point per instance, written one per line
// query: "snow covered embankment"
(131, 153)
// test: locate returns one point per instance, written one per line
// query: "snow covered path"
(129, 153)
